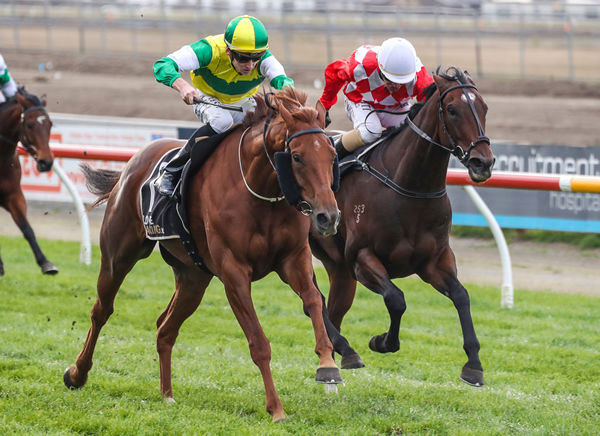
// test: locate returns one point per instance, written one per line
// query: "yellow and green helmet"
(246, 34)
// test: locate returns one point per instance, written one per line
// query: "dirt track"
(540, 112)
(535, 112)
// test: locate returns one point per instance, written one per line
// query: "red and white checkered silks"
(360, 75)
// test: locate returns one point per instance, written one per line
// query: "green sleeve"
(281, 81)
(166, 71)
(203, 52)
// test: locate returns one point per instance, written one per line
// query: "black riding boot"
(340, 150)
(169, 178)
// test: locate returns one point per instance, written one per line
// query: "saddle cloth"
(166, 218)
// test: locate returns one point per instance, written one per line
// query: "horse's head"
(462, 113)
(307, 169)
(34, 129)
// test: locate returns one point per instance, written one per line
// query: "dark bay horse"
(240, 227)
(23, 118)
(397, 215)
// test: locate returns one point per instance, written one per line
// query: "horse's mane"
(291, 99)
(451, 73)
(32, 98)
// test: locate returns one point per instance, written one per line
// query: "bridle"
(22, 132)
(462, 156)
(283, 168)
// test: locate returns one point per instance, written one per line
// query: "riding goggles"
(244, 58)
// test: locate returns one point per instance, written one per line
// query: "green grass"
(541, 360)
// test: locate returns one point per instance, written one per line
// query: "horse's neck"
(9, 130)
(415, 162)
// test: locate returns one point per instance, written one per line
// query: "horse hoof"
(49, 268)
(170, 400)
(473, 377)
(379, 345)
(352, 361)
(67, 379)
(328, 375)
(1, 270)
(279, 418)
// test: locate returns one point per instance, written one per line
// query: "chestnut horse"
(397, 215)
(23, 118)
(241, 228)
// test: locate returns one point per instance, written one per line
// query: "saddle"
(166, 217)
(356, 159)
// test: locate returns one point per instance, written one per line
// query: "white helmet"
(397, 60)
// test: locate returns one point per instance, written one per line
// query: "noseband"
(463, 156)
(282, 167)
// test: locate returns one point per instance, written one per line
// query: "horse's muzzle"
(326, 222)
(44, 165)
(480, 169)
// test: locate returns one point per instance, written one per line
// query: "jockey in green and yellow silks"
(224, 69)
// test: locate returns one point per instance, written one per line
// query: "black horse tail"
(99, 182)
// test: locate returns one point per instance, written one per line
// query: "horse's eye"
(296, 157)
(452, 111)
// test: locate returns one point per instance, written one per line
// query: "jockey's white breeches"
(220, 118)
(371, 124)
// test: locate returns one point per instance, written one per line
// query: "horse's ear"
(439, 81)
(43, 99)
(285, 114)
(321, 114)
(21, 99)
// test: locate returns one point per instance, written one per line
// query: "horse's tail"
(99, 182)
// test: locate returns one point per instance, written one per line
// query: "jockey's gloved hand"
(327, 119)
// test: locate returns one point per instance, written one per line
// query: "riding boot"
(169, 178)
(348, 142)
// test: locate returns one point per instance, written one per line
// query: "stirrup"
(165, 184)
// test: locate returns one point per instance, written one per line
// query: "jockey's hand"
(186, 91)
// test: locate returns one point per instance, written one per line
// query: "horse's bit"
(463, 156)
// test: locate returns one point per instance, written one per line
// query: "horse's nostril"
(44, 165)
(323, 219)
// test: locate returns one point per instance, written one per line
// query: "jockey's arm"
(337, 74)
(186, 91)
(272, 69)
(189, 57)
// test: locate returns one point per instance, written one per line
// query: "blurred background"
(557, 39)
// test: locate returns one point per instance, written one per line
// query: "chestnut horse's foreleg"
(17, 207)
(298, 273)
(190, 284)
(113, 269)
(443, 278)
(236, 279)
(371, 273)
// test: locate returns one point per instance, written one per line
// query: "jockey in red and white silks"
(388, 77)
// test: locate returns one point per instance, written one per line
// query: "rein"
(455, 150)
(286, 182)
